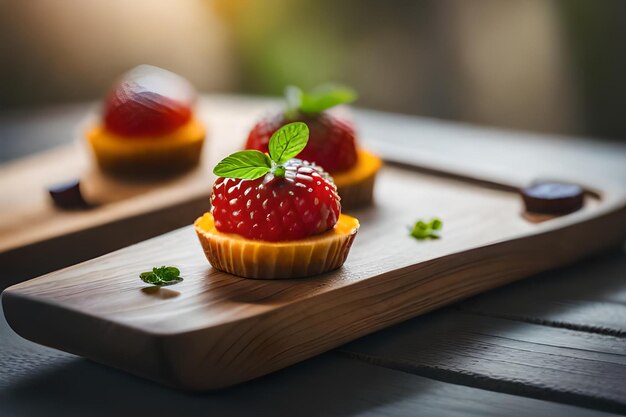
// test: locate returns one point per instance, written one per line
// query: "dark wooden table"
(553, 344)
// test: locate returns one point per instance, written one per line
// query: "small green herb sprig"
(427, 230)
(286, 143)
(316, 100)
(165, 275)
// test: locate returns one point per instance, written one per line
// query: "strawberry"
(148, 101)
(274, 197)
(302, 203)
(331, 145)
(332, 141)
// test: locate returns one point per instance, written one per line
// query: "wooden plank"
(215, 330)
(44, 256)
(508, 157)
(588, 296)
(327, 385)
(506, 356)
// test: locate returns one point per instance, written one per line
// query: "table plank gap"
(608, 331)
(331, 384)
(566, 366)
(587, 296)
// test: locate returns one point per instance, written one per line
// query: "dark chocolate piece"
(68, 196)
(553, 198)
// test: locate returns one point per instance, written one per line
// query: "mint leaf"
(426, 230)
(165, 275)
(324, 97)
(288, 141)
(149, 277)
(436, 224)
(247, 165)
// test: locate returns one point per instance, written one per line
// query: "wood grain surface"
(513, 158)
(583, 297)
(507, 356)
(540, 338)
(330, 384)
(215, 330)
(586, 297)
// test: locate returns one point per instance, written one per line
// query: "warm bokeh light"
(551, 66)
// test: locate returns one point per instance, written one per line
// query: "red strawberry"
(302, 203)
(331, 140)
(148, 101)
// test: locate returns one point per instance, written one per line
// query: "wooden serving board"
(214, 329)
(36, 237)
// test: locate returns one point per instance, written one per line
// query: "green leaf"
(426, 230)
(164, 275)
(285, 143)
(247, 165)
(149, 277)
(288, 141)
(324, 97)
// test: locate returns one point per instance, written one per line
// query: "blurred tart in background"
(148, 127)
(332, 143)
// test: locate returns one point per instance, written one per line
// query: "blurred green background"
(539, 65)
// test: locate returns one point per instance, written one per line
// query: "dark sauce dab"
(553, 198)
(67, 195)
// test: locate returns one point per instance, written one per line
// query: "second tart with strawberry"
(148, 127)
(273, 216)
(332, 144)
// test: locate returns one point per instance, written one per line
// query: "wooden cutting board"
(214, 329)
(32, 228)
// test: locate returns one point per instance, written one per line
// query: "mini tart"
(276, 260)
(151, 155)
(356, 186)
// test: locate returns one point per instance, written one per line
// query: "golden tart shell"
(276, 260)
(356, 186)
(147, 156)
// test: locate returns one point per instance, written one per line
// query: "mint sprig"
(246, 165)
(164, 275)
(286, 143)
(427, 230)
(318, 99)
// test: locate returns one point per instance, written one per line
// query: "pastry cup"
(276, 260)
(356, 186)
(152, 156)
